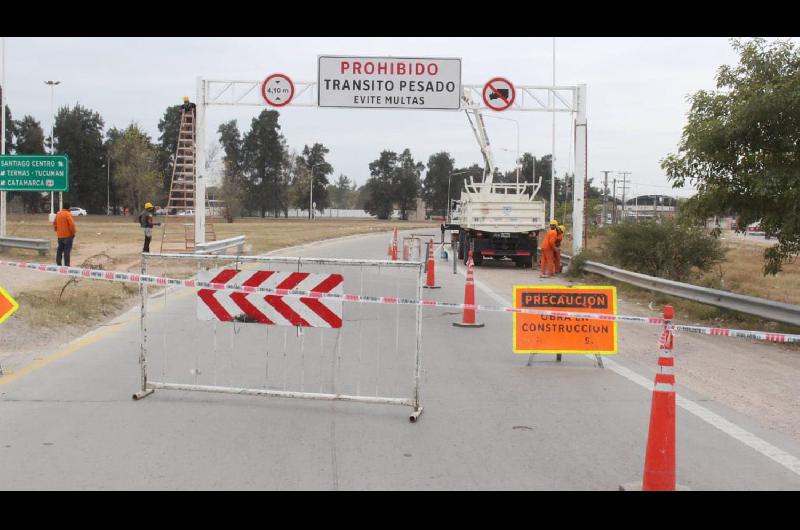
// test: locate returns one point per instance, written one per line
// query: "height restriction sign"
(499, 94)
(278, 90)
(557, 334)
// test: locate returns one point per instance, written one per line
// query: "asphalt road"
(489, 422)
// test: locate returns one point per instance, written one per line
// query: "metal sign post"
(527, 98)
(3, 132)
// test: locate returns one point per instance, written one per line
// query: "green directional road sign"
(34, 173)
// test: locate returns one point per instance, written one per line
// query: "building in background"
(647, 207)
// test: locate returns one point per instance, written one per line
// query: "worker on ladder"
(188, 106)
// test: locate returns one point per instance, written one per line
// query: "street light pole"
(447, 208)
(311, 192)
(53, 145)
(551, 94)
(108, 184)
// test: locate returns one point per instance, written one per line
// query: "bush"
(577, 262)
(666, 248)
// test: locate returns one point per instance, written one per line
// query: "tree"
(79, 134)
(313, 161)
(10, 128)
(406, 182)
(29, 141)
(378, 192)
(438, 182)
(299, 181)
(340, 192)
(29, 137)
(739, 146)
(168, 126)
(263, 160)
(136, 174)
(462, 174)
(232, 191)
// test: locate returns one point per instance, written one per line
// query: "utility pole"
(586, 212)
(624, 189)
(614, 211)
(605, 187)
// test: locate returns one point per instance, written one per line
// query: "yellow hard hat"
(147, 206)
(553, 222)
(186, 98)
(562, 228)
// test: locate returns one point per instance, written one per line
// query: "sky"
(637, 92)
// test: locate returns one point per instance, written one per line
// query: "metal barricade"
(412, 249)
(262, 344)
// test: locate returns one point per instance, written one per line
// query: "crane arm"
(483, 139)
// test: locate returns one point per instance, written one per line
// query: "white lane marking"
(788, 461)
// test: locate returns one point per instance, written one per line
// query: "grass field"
(115, 243)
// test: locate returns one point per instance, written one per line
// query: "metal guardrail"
(222, 244)
(40, 245)
(751, 305)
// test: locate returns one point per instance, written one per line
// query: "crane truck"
(495, 220)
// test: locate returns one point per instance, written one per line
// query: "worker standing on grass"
(64, 225)
(548, 250)
(557, 254)
(146, 222)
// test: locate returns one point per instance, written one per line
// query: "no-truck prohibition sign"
(278, 90)
(499, 94)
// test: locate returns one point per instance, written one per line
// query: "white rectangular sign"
(389, 82)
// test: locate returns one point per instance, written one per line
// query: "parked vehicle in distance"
(755, 229)
(186, 212)
(77, 211)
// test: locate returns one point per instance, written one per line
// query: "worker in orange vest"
(64, 225)
(557, 253)
(548, 249)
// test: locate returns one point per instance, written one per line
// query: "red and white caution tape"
(128, 277)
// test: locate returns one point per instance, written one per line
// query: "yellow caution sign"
(7, 305)
(558, 334)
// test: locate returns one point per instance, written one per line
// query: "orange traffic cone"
(659, 460)
(394, 245)
(431, 280)
(468, 317)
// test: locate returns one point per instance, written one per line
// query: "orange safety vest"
(64, 225)
(549, 242)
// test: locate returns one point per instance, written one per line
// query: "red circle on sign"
(264, 90)
(504, 102)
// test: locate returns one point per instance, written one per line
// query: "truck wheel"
(477, 258)
(528, 263)
(461, 245)
(518, 262)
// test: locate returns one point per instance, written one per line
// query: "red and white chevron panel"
(228, 306)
